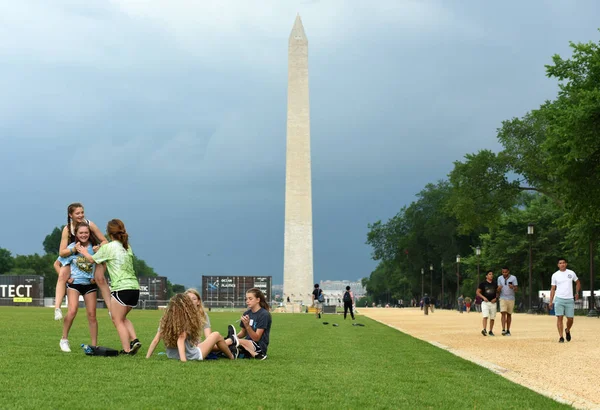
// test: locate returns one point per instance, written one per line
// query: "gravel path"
(532, 356)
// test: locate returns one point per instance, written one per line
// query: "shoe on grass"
(568, 335)
(260, 356)
(134, 346)
(64, 346)
(58, 314)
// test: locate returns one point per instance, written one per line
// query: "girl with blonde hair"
(180, 329)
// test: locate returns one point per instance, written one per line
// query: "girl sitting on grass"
(82, 275)
(197, 301)
(125, 286)
(256, 325)
(180, 329)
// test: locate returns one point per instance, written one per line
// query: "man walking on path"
(461, 303)
(507, 286)
(348, 299)
(561, 295)
(487, 291)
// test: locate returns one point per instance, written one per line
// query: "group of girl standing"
(84, 257)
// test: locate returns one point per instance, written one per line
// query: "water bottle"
(87, 349)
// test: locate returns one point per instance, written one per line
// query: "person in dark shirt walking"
(487, 291)
(348, 299)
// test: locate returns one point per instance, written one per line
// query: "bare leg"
(119, 312)
(569, 323)
(64, 272)
(484, 323)
(103, 285)
(73, 305)
(559, 325)
(130, 329)
(90, 307)
(247, 344)
(213, 339)
(491, 325)
(508, 321)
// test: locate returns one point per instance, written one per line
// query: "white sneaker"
(58, 314)
(64, 346)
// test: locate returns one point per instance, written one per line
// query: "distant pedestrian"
(461, 303)
(478, 303)
(487, 290)
(468, 303)
(561, 295)
(426, 302)
(431, 304)
(507, 286)
(348, 299)
(318, 298)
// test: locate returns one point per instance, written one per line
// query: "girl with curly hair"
(180, 329)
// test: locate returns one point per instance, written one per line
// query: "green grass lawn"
(310, 365)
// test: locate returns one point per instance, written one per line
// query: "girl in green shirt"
(125, 288)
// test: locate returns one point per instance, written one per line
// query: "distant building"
(334, 290)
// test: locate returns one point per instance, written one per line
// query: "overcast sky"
(170, 115)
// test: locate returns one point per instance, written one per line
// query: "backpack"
(347, 297)
(99, 351)
(321, 298)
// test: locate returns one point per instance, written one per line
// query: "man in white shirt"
(561, 296)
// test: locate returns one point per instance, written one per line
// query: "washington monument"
(298, 237)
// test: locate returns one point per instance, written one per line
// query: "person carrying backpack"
(318, 298)
(348, 301)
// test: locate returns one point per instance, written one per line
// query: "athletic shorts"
(564, 307)
(128, 297)
(507, 305)
(83, 289)
(318, 304)
(247, 355)
(488, 309)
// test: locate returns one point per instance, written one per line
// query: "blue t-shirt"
(82, 271)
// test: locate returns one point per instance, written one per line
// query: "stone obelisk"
(298, 237)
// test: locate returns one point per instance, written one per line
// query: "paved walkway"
(532, 356)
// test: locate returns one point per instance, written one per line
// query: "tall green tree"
(6, 261)
(52, 241)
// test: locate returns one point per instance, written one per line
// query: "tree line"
(546, 176)
(42, 265)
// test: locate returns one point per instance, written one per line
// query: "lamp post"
(478, 253)
(431, 279)
(530, 235)
(442, 284)
(422, 284)
(457, 276)
(592, 312)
